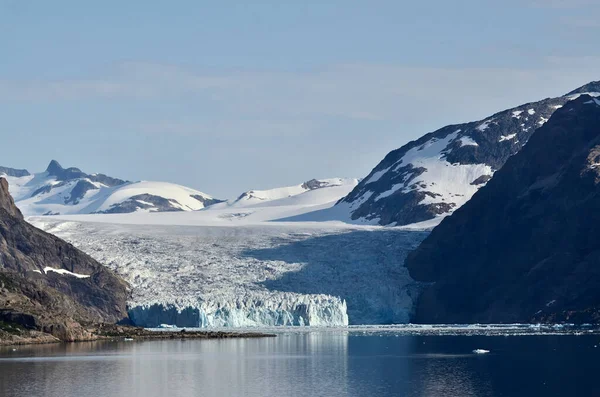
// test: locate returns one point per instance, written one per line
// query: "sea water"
(307, 362)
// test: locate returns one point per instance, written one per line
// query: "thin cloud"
(564, 3)
(361, 92)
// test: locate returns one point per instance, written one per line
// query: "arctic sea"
(366, 361)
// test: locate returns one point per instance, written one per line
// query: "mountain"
(439, 172)
(525, 248)
(47, 285)
(13, 172)
(72, 191)
(323, 191)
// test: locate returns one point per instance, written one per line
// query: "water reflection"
(285, 366)
(334, 363)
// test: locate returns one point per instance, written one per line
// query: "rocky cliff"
(50, 286)
(525, 248)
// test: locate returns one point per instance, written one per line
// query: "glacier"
(293, 311)
(251, 275)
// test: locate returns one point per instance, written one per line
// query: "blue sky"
(230, 96)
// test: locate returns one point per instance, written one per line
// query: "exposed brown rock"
(6, 200)
(48, 301)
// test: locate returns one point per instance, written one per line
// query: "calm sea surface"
(333, 363)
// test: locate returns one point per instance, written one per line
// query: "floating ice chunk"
(480, 351)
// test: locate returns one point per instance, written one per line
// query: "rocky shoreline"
(13, 334)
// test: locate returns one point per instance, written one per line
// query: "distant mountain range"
(63, 191)
(335, 189)
(436, 174)
(67, 191)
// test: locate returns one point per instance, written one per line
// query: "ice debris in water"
(480, 351)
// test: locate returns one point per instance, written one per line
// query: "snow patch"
(377, 175)
(467, 141)
(64, 272)
(507, 137)
(484, 126)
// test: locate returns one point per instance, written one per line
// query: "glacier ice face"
(254, 275)
(299, 311)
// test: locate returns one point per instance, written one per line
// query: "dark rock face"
(13, 172)
(525, 247)
(58, 302)
(144, 202)
(402, 190)
(62, 174)
(207, 201)
(79, 191)
(42, 190)
(314, 184)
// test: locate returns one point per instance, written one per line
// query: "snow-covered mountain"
(439, 172)
(313, 192)
(71, 191)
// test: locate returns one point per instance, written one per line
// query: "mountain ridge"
(434, 175)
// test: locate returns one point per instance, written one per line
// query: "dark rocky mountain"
(13, 172)
(207, 201)
(525, 248)
(144, 202)
(440, 171)
(62, 174)
(49, 286)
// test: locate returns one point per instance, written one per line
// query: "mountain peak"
(593, 86)
(54, 168)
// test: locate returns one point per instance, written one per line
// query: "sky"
(230, 96)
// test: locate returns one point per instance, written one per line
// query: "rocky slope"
(47, 285)
(63, 191)
(439, 172)
(525, 248)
